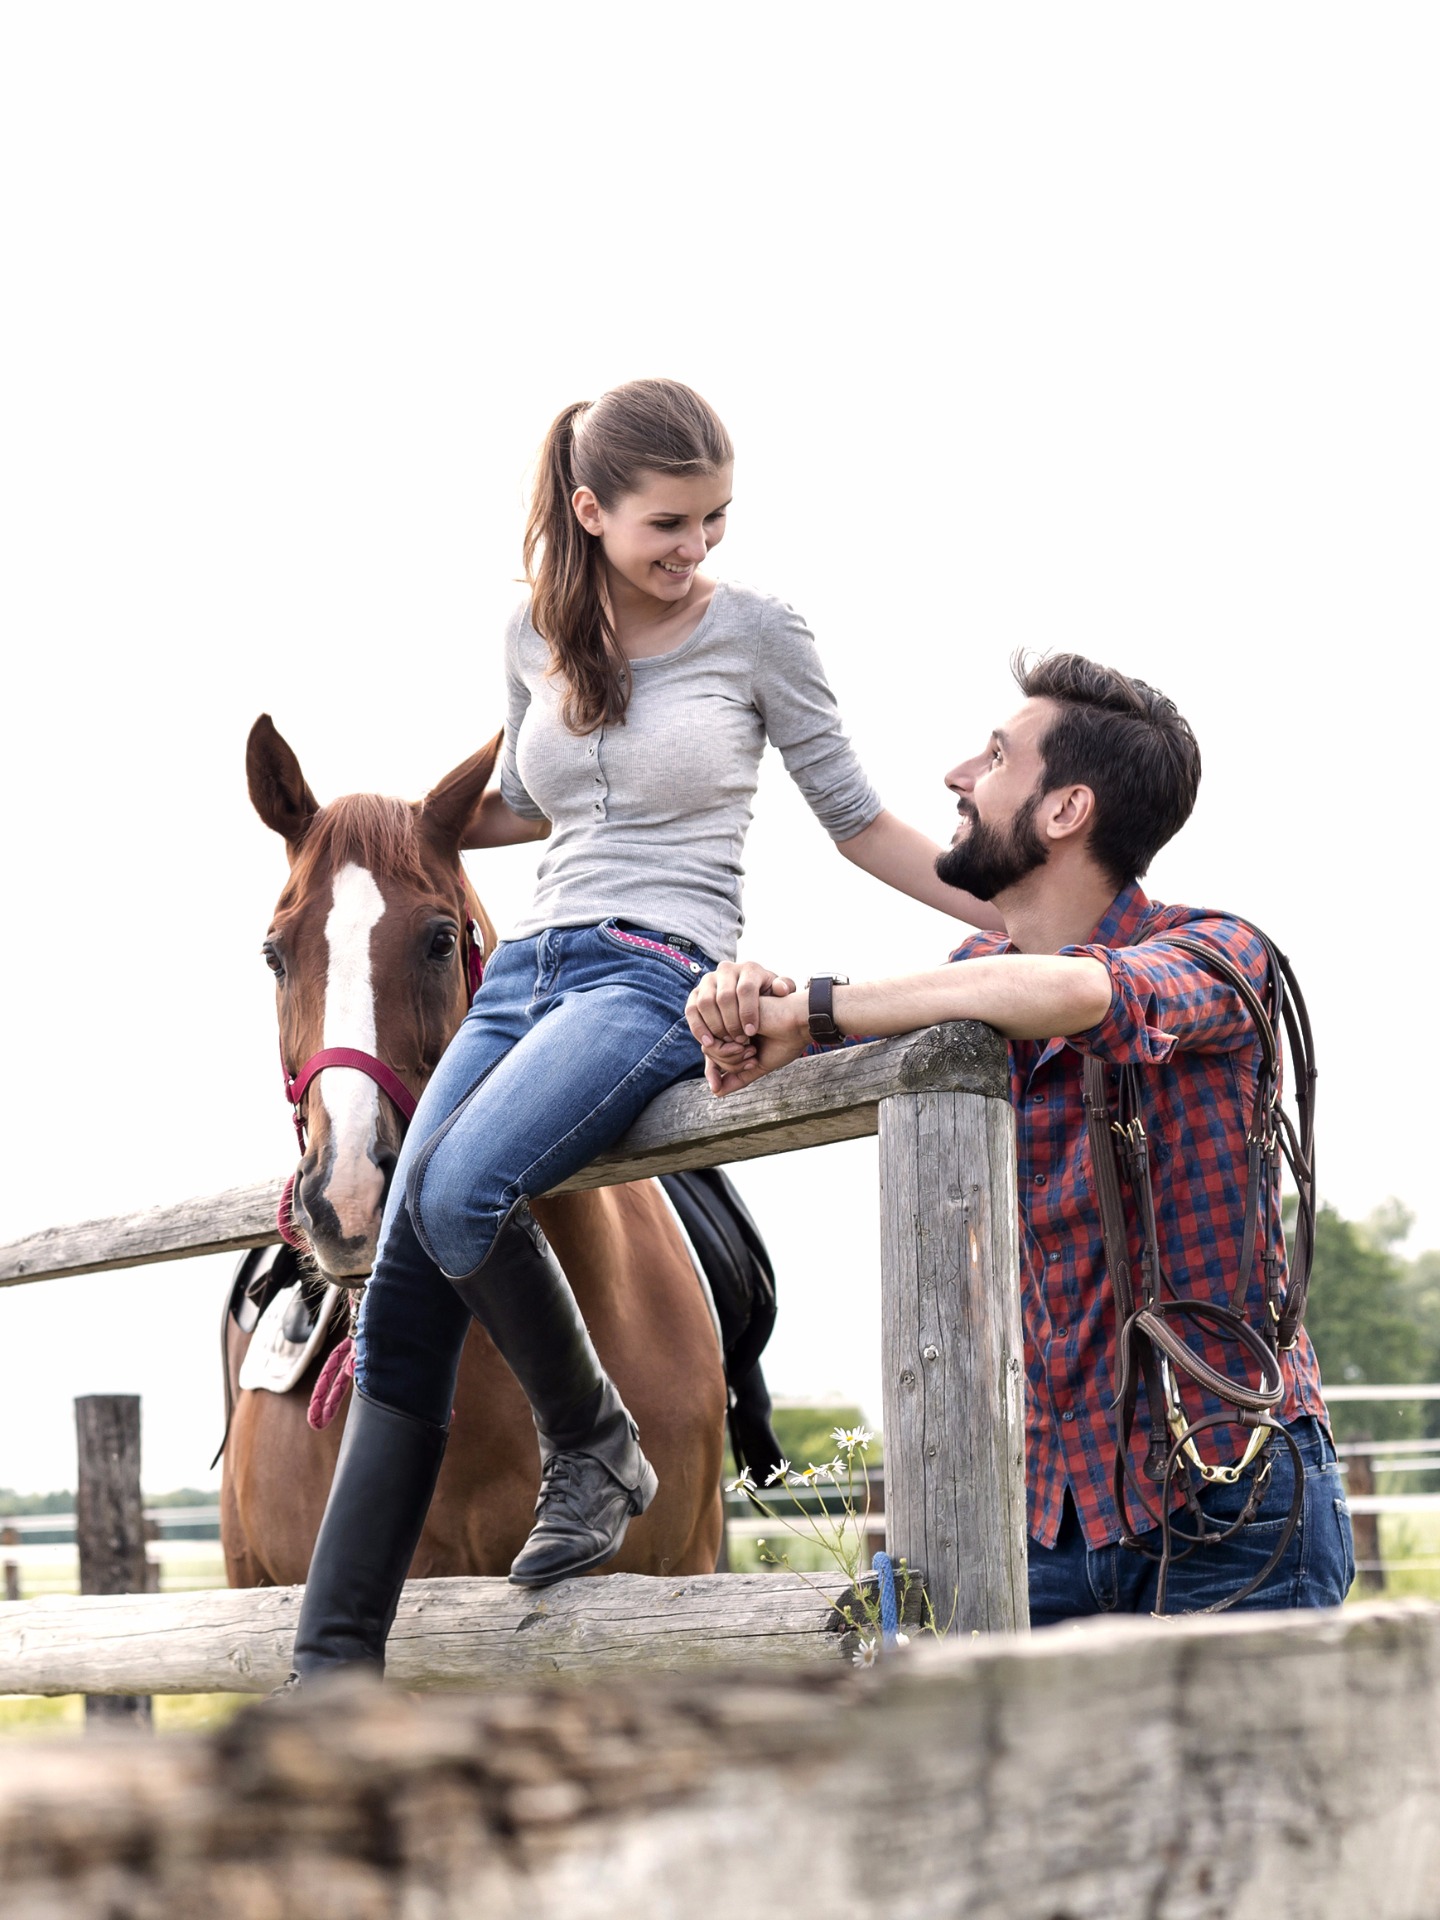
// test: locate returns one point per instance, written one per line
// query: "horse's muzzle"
(338, 1212)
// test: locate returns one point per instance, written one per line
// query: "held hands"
(748, 1020)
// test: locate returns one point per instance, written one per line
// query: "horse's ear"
(445, 811)
(278, 789)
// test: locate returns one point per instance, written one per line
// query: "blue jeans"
(569, 1037)
(1070, 1580)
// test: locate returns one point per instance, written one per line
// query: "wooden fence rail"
(1275, 1765)
(950, 1313)
(834, 1096)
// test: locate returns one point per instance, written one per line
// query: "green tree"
(1364, 1318)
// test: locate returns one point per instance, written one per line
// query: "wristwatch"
(822, 1007)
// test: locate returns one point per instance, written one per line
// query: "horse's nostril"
(309, 1191)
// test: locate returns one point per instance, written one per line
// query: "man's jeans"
(570, 1036)
(1070, 1580)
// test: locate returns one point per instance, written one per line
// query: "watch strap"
(822, 1007)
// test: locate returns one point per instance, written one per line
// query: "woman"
(641, 696)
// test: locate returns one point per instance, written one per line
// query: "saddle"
(1152, 1315)
(293, 1314)
(737, 1266)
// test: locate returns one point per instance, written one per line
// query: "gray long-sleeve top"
(648, 819)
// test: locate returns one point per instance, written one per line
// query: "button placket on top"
(601, 789)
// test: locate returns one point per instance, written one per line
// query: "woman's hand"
(748, 1021)
(725, 1007)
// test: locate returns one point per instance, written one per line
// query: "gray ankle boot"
(593, 1477)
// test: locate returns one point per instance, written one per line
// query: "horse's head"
(367, 948)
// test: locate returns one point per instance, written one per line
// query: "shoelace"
(562, 1488)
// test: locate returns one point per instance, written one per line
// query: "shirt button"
(1067, 1416)
(1039, 1179)
(1052, 1258)
(1038, 1098)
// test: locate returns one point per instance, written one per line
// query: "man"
(1060, 815)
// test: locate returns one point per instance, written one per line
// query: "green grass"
(1407, 1536)
(202, 1569)
(28, 1717)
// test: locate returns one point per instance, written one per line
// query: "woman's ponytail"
(646, 426)
(567, 608)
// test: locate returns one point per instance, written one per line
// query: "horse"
(368, 946)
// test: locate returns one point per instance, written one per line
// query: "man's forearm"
(750, 1021)
(1026, 996)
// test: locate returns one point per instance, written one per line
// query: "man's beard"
(987, 861)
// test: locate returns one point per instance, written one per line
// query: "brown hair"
(1128, 744)
(646, 426)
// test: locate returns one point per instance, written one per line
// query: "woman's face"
(656, 537)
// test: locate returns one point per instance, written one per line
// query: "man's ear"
(1069, 811)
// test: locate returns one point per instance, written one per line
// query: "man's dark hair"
(1127, 743)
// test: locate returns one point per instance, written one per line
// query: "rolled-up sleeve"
(801, 718)
(1163, 1001)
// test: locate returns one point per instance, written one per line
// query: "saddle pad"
(274, 1362)
(702, 1278)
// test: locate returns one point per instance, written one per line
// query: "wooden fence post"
(952, 1355)
(10, 1537)
(110, 1522)
(1360, 1479)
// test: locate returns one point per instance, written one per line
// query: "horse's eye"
(443, 944)
(273, 960)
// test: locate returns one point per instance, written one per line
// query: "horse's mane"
(364, 828)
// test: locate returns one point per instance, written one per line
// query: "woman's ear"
(587, 510)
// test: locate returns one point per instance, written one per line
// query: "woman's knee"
(452, 1216)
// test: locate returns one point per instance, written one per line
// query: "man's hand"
(740, 1017)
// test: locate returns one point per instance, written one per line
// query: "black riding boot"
(593, 1476)
(386, 1473)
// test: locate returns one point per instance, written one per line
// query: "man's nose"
(961, 779)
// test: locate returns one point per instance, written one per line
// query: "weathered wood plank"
(1265, 1767)
(448, 1633)
(110, 1521)
(831, 1097)
(952, 1355)
(216, 1223)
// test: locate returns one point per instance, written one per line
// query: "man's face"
(996, 844)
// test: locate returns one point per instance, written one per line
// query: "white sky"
(1109, 327)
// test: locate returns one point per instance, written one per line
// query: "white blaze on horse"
(375, 944)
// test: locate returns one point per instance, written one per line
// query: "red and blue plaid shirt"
(1196, 1044)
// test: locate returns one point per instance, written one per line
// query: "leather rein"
(1151, 1316)
(385, 1077)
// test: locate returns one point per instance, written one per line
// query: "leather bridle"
(1150, 1327)
(385, 1077)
